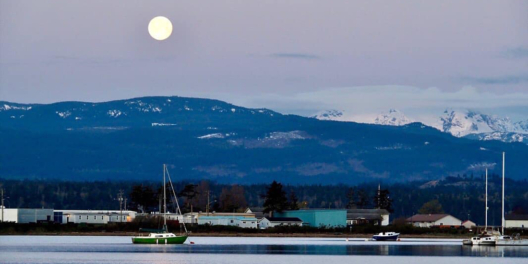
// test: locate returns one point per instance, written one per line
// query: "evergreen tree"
(142, 198)
(363, 199)
(383, 201)
(294, 202)
(275, 199)
(351, 196)
(189, 192)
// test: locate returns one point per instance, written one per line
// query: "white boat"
(486, 238)
(386, 236)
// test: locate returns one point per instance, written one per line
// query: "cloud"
(63, 59)
(515, 53)
(299, 56)
(508, 79)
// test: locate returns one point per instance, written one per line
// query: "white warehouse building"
(240, 221)
(93, 216)
(26, 215)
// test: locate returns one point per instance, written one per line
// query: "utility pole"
(503, 175)
(486, 215)
(207, 207)
(2, 191)
(379, 196)
(120, 199)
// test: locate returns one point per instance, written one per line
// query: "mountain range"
(459, 123)
(210, 139)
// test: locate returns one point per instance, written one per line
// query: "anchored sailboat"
(163, 236)
(507, 240)
(496, 238)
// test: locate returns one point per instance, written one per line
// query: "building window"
(79, 217)
(86, 217)
(101, 217)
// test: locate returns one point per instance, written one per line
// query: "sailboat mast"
(164, 200)
(486, 215)
(503, 176)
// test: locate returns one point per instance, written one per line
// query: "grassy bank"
(129, 229)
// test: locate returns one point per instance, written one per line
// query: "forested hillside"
(458, 196)
(129, 140)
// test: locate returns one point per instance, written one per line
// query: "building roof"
(370, 211)
(254, 210)
(426, 217)
(368, 214)
(227, 217)
(516, 217)
(284, 219)
(316, 210)
(468, 221)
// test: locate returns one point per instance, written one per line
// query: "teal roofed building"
(318, 217)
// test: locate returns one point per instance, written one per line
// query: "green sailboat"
(163, 236)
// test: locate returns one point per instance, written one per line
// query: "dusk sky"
(290, 56)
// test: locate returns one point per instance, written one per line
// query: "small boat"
(163, 236)
(511, 241)
(487, 237)
(386, 236)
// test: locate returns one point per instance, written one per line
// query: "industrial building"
(26, 215)
(93, 216)
(193, 218)
(267, 222)
(318, 217)
(368, 216)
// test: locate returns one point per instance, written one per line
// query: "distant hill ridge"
(210, 139)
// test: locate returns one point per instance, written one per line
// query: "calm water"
(215, 250)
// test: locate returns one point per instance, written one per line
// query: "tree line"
(460, 196)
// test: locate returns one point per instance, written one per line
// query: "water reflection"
(356, 249)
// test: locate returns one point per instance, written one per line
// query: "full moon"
(160, 28)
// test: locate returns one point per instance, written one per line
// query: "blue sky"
(274, 54)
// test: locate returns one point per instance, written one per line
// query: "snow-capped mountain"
(459, 123)
(392, 118)
(464, 122)
(329, 115)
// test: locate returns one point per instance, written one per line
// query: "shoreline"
(277, 235)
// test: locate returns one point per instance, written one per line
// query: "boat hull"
(386, 238)
(512, 242)
(160, 240)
